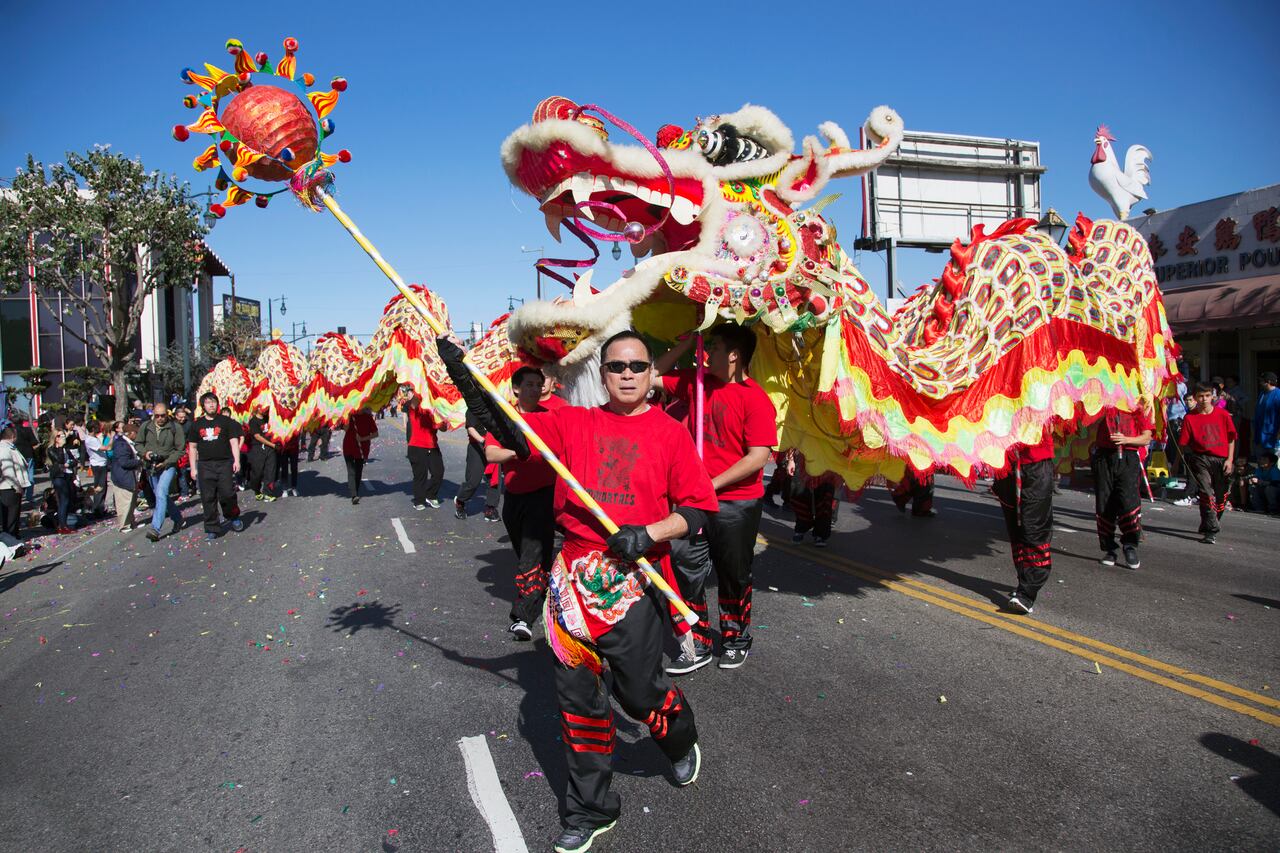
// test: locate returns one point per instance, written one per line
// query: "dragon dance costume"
(736, 417)
(1025, 493)
(1117, 472)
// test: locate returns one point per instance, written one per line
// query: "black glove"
(630, 542)
(491, 417)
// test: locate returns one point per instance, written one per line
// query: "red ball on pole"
(269, 119)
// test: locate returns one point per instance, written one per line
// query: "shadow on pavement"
(1258, 599)
(11, 579)
(1264, 784)
(530, 668)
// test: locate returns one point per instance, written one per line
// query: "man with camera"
(160, 445)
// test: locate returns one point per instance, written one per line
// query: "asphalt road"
(304, 686)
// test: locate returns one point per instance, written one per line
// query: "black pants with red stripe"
(815, 509)
(728, 544)
(633, 651)
(1211, 482)
(1028, 516)
(918, 491)
(530, 522)
(1117, 497)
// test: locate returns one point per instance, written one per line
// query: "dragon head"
(724, 236)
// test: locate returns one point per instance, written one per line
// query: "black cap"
(1269, 376)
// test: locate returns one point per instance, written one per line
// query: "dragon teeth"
(683, 210)
(553, 221)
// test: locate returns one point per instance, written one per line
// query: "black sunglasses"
(636, 367)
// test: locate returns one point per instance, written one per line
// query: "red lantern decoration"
(268, 119)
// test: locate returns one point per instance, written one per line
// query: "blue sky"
(435, 88)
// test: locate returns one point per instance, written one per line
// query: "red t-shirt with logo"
(362, 423)
(736, 417)
(1211, 434)
(521, 476)
(421, 426)
(1128, 424)
(637, 467)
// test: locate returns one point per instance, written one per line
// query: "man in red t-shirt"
(1208, 440)
(739, 433)
(360, 432)
(1025, 493)
(424, 454)
(1117, 472)
(528, 512)
(641, 467)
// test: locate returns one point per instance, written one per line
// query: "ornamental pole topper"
(265, 131)
(266, 126)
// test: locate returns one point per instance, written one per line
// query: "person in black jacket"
(62, 475)
(124, 476)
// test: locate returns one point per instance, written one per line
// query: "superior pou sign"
(1223, 239)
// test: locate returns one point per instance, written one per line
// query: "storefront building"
(50, 332)
(1218, 264)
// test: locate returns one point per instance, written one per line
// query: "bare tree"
(103, 234)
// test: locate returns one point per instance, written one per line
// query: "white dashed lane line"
(486, 793)
(405, 543)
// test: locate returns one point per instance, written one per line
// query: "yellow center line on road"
(1039, 631)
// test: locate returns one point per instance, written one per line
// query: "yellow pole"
(416, 301)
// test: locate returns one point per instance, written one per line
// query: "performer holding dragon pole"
(640, 464)
(740, 429)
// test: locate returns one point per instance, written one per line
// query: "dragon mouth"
(562, 178)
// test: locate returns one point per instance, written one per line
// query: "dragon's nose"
(558, 107)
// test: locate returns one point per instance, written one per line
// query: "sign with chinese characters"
(1212, 242)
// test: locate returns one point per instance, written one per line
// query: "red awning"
(1247, 304)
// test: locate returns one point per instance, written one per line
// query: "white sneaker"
(1187, 501)
(433, 503)
(520, 629)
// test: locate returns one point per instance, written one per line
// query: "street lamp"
(271, 325)
(537, 270)
(210, 219)
(616, 251)
(1053, 226)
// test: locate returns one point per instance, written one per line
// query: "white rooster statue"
(1121, 189)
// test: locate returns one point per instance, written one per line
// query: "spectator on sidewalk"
(97, 442)
(62, 473)
(1266, 418)
(186, 486)
(357, 439)
(1264, 486)
(124, 476)
(160, 444)
(27, 443)
(13, 482)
